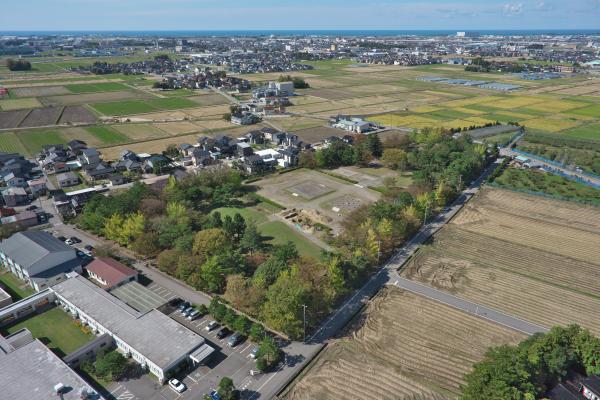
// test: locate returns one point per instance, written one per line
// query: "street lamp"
(304, 318)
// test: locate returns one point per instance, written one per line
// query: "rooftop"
(110, 270)
(32, 371)
(153, 334)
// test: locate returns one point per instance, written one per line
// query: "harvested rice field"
(403, 347)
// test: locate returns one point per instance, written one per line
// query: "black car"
(31, 208)
(183, 306)
(223, 333)
(75, 239)
(88, 247)
(62, 238)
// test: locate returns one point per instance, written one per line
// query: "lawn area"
(280, 233)
(107, 135)
(96, 87)
(34, 140)
(9, 143)
(17, 289)
(125, 107)
(55, 328)
(248, 213)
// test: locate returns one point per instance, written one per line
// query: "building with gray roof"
(38, 258)
(152, 339)
(31, 371)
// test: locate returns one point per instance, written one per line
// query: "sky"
(107, 15)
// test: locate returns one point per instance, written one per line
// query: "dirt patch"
(209, 99)
(85, 98)
(77, 114)
(11, 119)
(39, 91)
(317, 134)
(42, 117)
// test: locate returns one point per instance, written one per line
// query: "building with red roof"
(109, 273)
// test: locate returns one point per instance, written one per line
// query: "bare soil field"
(162, 116)
(329, 94)
(84, 98)
(77, 114)
(404, 347)
(42, 117)
(11, 119)
(208, 99)
(293, 190)
(39, 91)
(211, 124)
(318, 133)
(177, 128)
(531, 257)
(19, 104)
(207, 111)
(295, 123)
(140, 131)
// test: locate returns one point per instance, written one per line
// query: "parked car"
(254, 353)
(177, 386)
(31, 208)
(211, 325)
(193, 315)
(62, 238)
(69, 242)
(183, 306)
(223, 333)
(235, 339)
(75, 239)
(188, 311)
(88, 247)
(214, 395)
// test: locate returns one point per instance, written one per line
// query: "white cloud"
(512, 8)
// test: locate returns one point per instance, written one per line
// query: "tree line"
(18, 65)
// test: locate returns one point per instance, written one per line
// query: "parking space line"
(201, 323)
(190, 376)
(246, 348)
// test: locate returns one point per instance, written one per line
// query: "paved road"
(467, 306)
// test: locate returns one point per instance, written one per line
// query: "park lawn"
(279, 233)
(249, 213)
(33, 141)
(96, 87)
(588, 132)
(172, 103)
(589, 111)
(18, 104)
(16, 288)
(55, 328)
(107, 135)
(9, 143)
(125, 107)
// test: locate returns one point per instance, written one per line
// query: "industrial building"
(38, 258)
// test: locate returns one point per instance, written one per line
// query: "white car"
(177, 386)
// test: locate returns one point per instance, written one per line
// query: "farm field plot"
(40, 91)
(42, 117)
(207, 111)
(589, 111)
(9, 143)
(316, 134)
(176, 128)
(126, 107)
(405, 347)
(87, 98)
(588, 132)
(139, 131)
(76, 114)
(549, 125)
(19, 104)
(316, 192)
(106, 135)
(296, 123)
(11, 119)
(208, 99)
(212, 124)
(33, 141)
(96, 87)
(173, 103)
(518, 254)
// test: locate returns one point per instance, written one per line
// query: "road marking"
(119, 387)
(246, 348)
(190, 376)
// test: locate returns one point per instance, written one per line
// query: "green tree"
(257, 332)
(226, 389)
(212, 275)
(241, 324)
(133, 227)
(374, 145)
(269, 352)
(395, 159)
(209, 242)
(251, 239)
(111, 366)
(113, 227)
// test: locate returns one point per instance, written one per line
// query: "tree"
(270, 352)
(251, 239)
(395, 159)
(209, 242)
(217, 309)
(18, 65)
(226, 389)
(212, 275)
(374, 145)
(111, 366)
(257, 332)
(241, 324)
(282, 309)
(113, 227)
(239, 225)
(307, 159)
(133, 227)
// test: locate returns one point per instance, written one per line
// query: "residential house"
(244, 119)
(254, 164)
(13, 180)
(37, 187)
(185, 149)
(289, 156)
(243, 149)
(90, 156)
(255, 137)
(201, 158)
(109, 273)
(25, 219)
(67, 179)
(156, 163)
(76, 146)
(116, 179)
(94, 172)
(38, 258)
(14, 196)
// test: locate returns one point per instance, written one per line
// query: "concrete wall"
(27, 306)
(88, 351)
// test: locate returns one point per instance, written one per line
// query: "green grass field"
(9, 143)
(587, 132)
(17, 289)
(172, 103)
(107, 135)
(589, 111)
(125, 107)
(33, 141)
(55, 328)
(96, 87)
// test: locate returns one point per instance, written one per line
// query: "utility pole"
(425, 215)
(304, 318)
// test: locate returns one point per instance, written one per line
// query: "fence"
(552, 162)
(545, 195)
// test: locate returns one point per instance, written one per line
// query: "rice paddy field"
(526, 255)
(403, 347)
